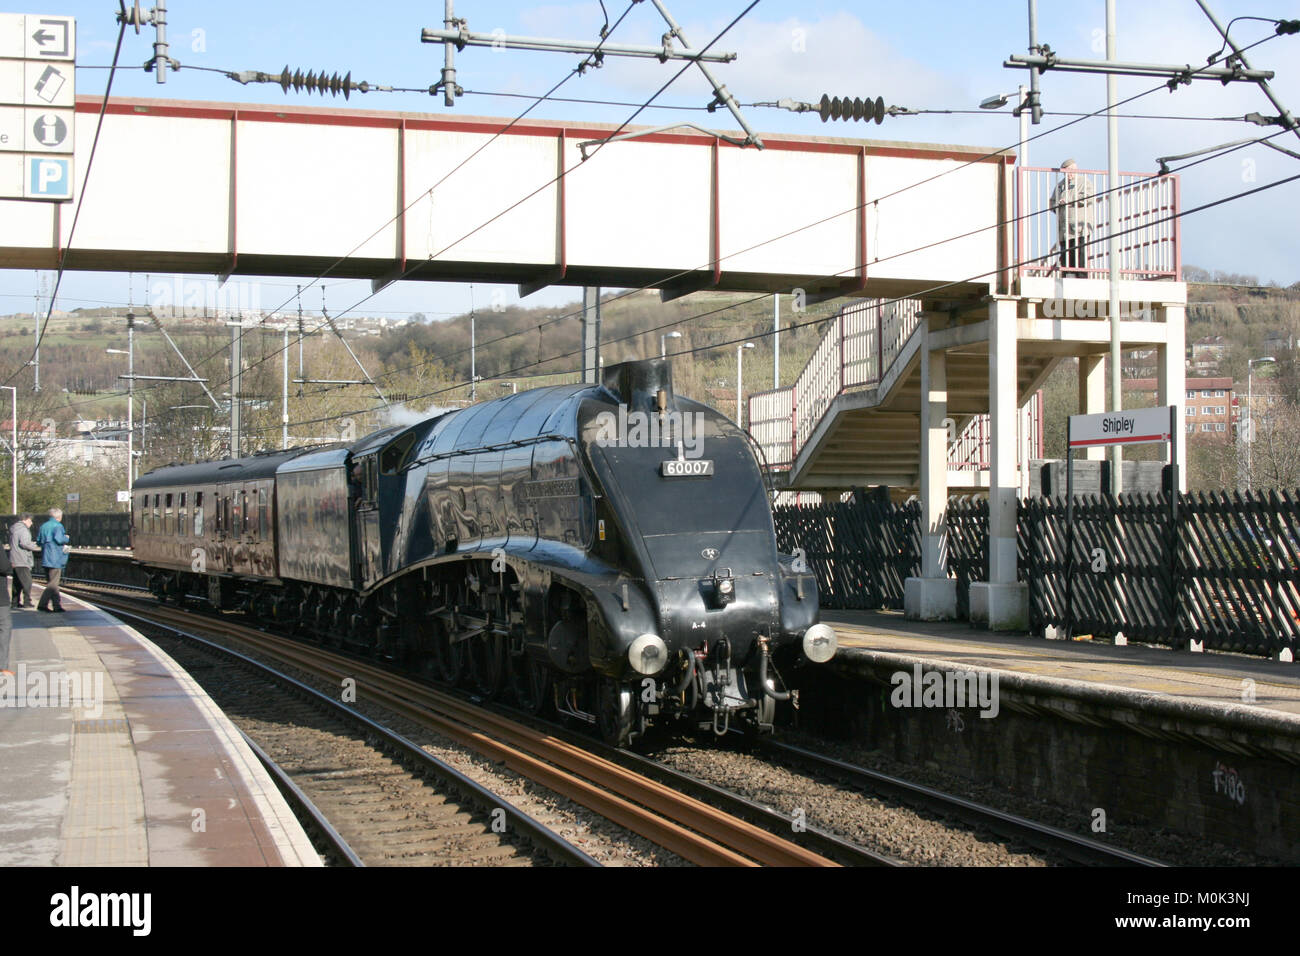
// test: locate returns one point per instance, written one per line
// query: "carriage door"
(365, 485)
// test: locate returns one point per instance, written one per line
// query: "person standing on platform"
(21, 547)
(54, 541)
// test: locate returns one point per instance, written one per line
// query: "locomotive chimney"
(645, 386)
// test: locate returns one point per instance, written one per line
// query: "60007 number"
(687, 468)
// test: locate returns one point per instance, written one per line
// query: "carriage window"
(249, 515)
(198, 514)
(157, 513)
(144, 513)
(235, 513)
(167, 515)
(182, 525)
(263, 515)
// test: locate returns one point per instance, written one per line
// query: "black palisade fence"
(862, 550)
(1238, 570)
(1221, 568)
(98, 529)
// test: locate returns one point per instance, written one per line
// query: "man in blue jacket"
(53, 540)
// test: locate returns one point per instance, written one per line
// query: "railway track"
(701, 825)
(1070, 846)
(366, 794)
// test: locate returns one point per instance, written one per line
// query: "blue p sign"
(49, 178)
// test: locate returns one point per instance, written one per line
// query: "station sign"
(1132, 427)
(37, 106)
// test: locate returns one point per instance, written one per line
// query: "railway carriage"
(606, 550)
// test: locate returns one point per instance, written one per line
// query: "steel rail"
(623, 795)
(537, 833)
(304, 803)
(1074, 847)
(680, 823)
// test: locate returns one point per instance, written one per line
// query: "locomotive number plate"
(687, 468)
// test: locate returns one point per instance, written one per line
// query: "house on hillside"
(1207, 353)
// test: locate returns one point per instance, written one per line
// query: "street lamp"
(1001, 100)
(1250, 415)
(740, 411)
(663, 342)
(14, 389)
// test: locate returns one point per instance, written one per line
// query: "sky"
(924, 54)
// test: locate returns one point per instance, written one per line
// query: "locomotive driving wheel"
(487, 664)
(530, 679)
(448, 657)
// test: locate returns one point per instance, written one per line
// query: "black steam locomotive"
(606, 550)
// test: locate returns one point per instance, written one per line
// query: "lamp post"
(663, 342)
(740, 410)
(14, 390)
(1250, 415)
(129, 352)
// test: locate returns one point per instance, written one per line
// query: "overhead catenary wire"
(850, 210)
(884, 302)
(563, 173)
(867, 201)
(386, 373)
(683, 320)
(428, 192)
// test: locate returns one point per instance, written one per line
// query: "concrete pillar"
(1001, 602)
(933, 595)
(1092, 394)
(1171, 381)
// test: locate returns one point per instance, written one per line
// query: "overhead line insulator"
(854, 108)
(313, 82)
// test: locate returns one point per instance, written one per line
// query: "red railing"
(857, 349)
(1148, 232)
(969, 451)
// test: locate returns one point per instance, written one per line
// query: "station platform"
(1234, 693)
(114, 756)
(1203, 748)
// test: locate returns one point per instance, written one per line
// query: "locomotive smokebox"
(645, 386)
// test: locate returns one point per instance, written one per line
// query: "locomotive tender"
(604, 549)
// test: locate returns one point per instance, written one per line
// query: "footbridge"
(266, 190)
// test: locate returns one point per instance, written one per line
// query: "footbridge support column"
(1002, 602)
(933, 595)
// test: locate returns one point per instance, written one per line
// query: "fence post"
(1174, 589)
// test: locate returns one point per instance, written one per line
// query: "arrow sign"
(49, 38)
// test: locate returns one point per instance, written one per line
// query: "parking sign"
(48, 177)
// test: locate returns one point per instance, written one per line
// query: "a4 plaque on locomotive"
(603, 549)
